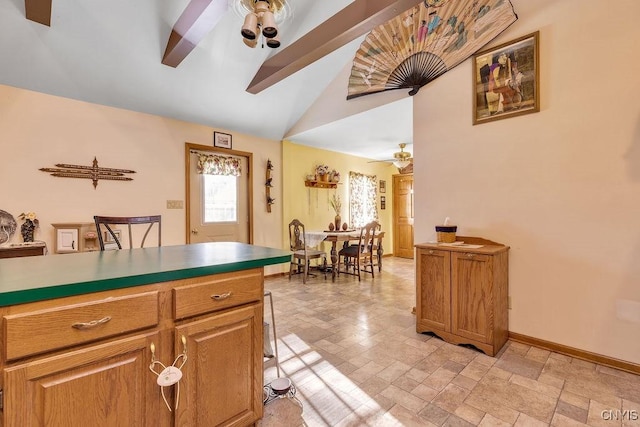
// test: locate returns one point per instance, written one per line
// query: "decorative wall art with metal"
(93, 172)
(269, 185)
(424, 42)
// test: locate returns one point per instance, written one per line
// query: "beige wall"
(561, 187)
(39, 130)
(311, 205)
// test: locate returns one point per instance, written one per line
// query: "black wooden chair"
(112, 238)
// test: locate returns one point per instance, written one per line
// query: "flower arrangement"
(322, 170)
(336, 203)
(30, 224)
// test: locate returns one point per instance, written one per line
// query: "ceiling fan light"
(251, 43)
(262, 6)
(250, 26)
(400, 164)
(273, 42)
(269, 28)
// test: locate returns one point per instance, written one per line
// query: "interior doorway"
(218, 207)
(403, 215)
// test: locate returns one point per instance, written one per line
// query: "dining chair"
(377, 250)
(112, 238)
(359, 257)
(302, 255)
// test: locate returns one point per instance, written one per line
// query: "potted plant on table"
(322, 172)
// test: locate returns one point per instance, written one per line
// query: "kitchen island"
(85, 336)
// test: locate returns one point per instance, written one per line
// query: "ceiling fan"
(401, 159)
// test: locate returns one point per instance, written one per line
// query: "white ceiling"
(109, 52)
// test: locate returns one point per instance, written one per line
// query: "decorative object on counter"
(344, 226)
(334, 176)
(331, 226)
(28, 226)
(336, 204)
(322, 173)
(8, 226)
(222, 140)
(268, 184)
(446, 233)
(93, 172)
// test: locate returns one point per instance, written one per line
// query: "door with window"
(219, 195)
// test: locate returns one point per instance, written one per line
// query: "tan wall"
(561, 187)
(39, 130)
(311, 205)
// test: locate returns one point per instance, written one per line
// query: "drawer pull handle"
(431, 252)
(221, 297)
(92, 324)
(470, 255)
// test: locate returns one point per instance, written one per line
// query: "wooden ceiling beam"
(357, 19)
(196, 21)
(38, 11)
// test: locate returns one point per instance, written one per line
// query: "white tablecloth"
(314, 238)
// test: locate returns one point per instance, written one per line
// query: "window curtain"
(362, 199)
(212, 164)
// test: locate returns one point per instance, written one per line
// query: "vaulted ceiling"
(111, 53)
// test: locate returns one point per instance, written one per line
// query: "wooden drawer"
(61, 326)
(217, 292)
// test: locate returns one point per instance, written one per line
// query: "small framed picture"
(383, 186)
(221, 140)
(383, 202)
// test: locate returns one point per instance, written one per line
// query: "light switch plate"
(175, 204)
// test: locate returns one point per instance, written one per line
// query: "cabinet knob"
(431, 252)
(470, 255)
(194, 231)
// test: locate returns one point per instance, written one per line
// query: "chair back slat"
(107, 222)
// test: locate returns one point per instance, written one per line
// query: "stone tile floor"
(352, 352)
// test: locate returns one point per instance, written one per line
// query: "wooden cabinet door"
(433, 309)
(222, 382)
(104, 385)
(403, 216)
(471, 291)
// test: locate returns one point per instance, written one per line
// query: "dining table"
(314, 238)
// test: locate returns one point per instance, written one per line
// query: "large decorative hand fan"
(424, 42)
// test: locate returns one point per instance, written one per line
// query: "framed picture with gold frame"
(506, 80)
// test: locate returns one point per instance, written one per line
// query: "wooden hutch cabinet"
(462, 292)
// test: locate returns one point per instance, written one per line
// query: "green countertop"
(39, 278)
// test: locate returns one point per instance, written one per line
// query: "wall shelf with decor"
(320, 184)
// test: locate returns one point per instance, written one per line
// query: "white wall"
(38, 130)
(561, 187)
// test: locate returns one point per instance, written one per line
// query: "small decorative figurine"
(344, 226)
(331, 226)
